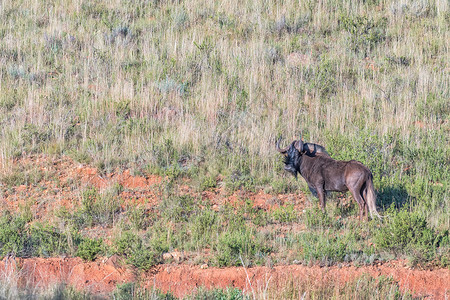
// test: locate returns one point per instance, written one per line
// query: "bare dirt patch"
(98, 277)
(182, 279)
(61, 179)
(102, 276)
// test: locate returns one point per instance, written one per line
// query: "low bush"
(98, 208)
(132, 247)
(177, 208)
(19, 238)
(89, 249)
(13, 234)
(407, 232)
(46, 241)
(202, 228)
(239, 247)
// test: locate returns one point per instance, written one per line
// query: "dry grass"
(195, 72)
(202, 89)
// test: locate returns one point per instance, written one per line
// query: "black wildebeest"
(322, 174)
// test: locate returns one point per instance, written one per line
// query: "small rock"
(204, 266)
(167, 256)
(175, 255)
(114, 261)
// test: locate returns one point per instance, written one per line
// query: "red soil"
(102, 276)
(180, 279)
(63, 179)
(41, 273)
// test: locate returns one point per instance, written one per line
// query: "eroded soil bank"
(102, 276)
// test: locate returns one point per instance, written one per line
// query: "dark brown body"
(322, 174)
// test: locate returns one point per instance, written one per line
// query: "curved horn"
(283, 151)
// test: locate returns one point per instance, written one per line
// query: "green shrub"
(125, 291)
(137, 254)
(407, 232)
(177, 208)
(241, 176)
(322, 77)
(88, 249)
(330, 246)
(19, 238)
(222, 294)
(202, 228)
(138, 217)
(13, 234)
(234, 245)
(365, 33)
(98, 208)
(46, 241)
(208, 182)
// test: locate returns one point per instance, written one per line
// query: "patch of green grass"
(315, 218)
(408, 233)
(47, 241)
(97, 208)
(285, 214)
(326, 247)
(139, 217)
(132, 247)
(20, 238)
(208, 182)
(12, 234)
(21, 175)
(362, 287)
(177, 208)
(132, 290)
(237, 247)
(365, 33)
(203, 226)
(88, 249)
(218, 293)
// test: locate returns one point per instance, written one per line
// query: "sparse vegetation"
(197, 93)
(363, 287)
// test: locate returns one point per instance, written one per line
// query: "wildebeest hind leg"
(361, 203)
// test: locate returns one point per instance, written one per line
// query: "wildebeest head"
(292, 155)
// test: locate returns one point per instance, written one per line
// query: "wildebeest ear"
(299, 146)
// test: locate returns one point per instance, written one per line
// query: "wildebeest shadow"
(387, 196)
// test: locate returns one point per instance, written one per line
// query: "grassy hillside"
(200, 90)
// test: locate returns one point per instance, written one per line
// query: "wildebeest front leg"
(321, 194)
(313, 191)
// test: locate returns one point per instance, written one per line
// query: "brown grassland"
(140, 136)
